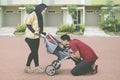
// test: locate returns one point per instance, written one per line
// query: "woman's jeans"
(34, 46)
(82, 68)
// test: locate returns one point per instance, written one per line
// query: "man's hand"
(70, 51)
(76, 54)
(72, 55)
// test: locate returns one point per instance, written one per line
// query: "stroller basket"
(51, 44)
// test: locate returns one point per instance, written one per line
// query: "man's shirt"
(85, 51)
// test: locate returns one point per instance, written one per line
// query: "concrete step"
(7, 31)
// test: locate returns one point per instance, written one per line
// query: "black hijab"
(38, 11)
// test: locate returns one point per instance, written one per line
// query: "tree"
(29, 8)
(112, 12)
(72, 11)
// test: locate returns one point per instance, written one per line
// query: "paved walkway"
(95, 31)
(89, 31)
(14, 52)
(7, 31)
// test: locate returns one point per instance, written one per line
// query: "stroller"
(53, 47)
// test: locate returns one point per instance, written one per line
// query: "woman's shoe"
(28, 70)
(39, 70)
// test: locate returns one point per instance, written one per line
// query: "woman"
(34, 23)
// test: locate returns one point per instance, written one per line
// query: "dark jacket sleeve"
(30, 28)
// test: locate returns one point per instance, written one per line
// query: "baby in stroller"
(55, 47)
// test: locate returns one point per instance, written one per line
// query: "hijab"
(38, 11)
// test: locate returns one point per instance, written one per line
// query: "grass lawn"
(61, 33)
(19, 33)
(113, 33)
(74, 33)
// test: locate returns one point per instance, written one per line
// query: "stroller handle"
(43, 34)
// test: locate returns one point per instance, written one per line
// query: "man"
(81, 51)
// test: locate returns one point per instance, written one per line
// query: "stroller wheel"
(56, 64)
(50, 70)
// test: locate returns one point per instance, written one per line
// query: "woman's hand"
(36, 33)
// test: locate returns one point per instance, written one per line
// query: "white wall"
(67, 2)
(68, 18)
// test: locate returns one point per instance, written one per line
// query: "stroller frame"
(53, 47)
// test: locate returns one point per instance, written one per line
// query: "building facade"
(12, 12)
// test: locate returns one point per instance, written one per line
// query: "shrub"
(118, 26)
(104, 24)
(21, 28)
(66, 28)
(82, 27)
(110, 25)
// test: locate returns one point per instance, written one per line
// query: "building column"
(83, 15)
(64, 14)
(1, 12)
(82, 11)
(23, 14)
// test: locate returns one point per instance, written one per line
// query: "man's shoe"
(95, 70)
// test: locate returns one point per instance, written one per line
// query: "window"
(89, 11)
(8, 12)
(61, 11)
(19, 12)
(97, 11)
(51, 11)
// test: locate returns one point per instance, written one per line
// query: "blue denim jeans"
(82, 68)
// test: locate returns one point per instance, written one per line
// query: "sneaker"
(39, 70)
(28, 70)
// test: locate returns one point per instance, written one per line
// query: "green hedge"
(21, 28)
(66, 28)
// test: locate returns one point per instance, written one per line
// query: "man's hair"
(65, 37)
